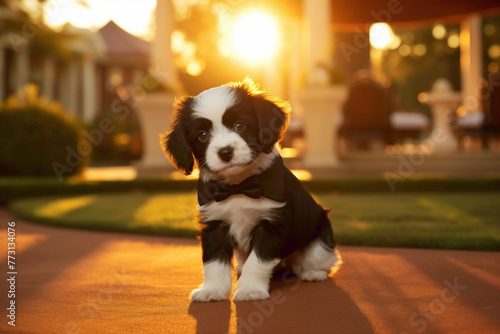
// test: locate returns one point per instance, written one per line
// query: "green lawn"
(455, 220)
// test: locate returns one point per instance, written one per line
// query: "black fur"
(216, 243)
(272, 114)
(298, 223)
(175, 142)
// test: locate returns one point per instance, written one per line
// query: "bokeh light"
(454, 40)
(381, 35)
(185, 52)
(408, 37)
(439, 31)
(404, 50)
(493, 67)
(461, 111)
(420, 50)
(489, 29)
(494, 51)
(195, 67)
(178, 41)
(396, 42)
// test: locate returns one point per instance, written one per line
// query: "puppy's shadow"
(294, 307)
(211, 317)
(302, 307)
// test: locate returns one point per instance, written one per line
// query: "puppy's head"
(226, 129)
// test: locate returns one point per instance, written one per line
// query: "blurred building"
(80, 69)
(126, 59)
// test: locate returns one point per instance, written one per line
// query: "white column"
(471, 62)
(321, 102)
(73, 75)
(162, 60)
(2, 74)
(156, 108)
(63, 86)
(318, 34)
(49, 73)
(154, 113)
(69, 88)
(322, 107)
(89, 84)
(22, 68)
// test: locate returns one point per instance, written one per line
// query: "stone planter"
(442, 100)
(322, 107)
(154, 115)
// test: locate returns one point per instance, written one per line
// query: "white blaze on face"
(242, 155)
(212, 104)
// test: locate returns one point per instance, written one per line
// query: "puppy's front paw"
(207, 295)
(247, 294)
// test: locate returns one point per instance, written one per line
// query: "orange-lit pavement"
(71, 281)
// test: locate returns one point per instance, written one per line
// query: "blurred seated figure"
(468, 129)
(485, 125)
(367, 112)
(491, 125)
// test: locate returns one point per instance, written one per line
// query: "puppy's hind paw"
(246, 295)
(207, 295)
(314, 276)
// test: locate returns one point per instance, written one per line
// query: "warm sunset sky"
(132, 15)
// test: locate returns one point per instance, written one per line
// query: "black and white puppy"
(250, 204)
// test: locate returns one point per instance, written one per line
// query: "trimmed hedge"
(14, 188)
(36, 139)
(405, 185)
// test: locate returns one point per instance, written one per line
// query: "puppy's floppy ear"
(273, 114)
(175, 143)
(273, 117)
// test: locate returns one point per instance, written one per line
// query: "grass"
(457, 220)
(149, 213)
(423, 220)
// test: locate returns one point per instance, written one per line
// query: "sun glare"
(255, 36)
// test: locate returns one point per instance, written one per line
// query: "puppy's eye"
(240, 127)
(203, 136)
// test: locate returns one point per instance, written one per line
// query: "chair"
(486, 125)
(491, 126)
(367, 114)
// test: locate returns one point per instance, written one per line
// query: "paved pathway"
(71, 281)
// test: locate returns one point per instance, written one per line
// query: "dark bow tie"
(269, 184)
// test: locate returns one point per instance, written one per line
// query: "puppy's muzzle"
(226, 153)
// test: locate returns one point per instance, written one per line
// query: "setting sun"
(255, 36)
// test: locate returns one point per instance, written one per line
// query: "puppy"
(250, 204)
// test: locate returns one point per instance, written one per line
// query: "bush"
(38, 139)
(123, 143)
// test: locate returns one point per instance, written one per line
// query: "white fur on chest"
(242, 214)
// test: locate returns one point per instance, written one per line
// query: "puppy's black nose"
(226, 153)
